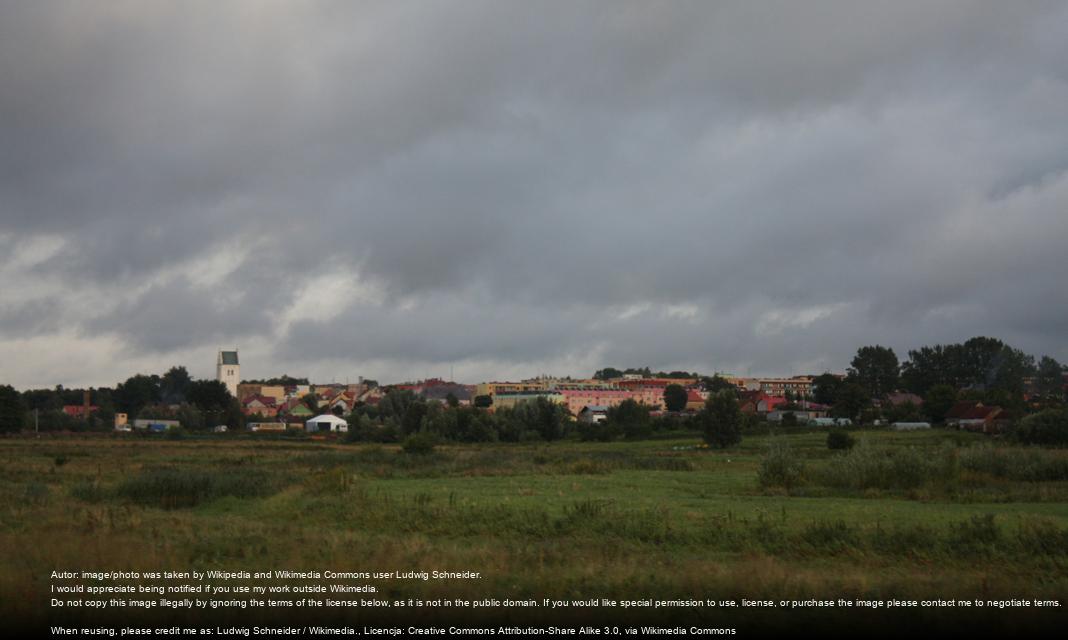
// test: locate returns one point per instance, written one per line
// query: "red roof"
(960, 409)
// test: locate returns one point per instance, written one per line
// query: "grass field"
(571, 520)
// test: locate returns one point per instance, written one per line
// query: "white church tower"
(228, 370)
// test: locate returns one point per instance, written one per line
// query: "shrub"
(172, 488)
(419, 443)
(977, 535)
(867, 467)
(839, 439)
(1049, 427)
(1031, 465)
(781, 467)
(789, 419)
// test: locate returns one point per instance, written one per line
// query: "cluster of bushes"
(1049, 427)
(172, 488)
(859, 467)
(1030, 465)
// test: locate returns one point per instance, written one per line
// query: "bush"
(867, 467)
(419, 443)
(1030, 465)
(172, 488)
(977, 535)
(781, 467)
(1049, 427)
(839, 439)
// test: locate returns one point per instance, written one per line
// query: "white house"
(326, 422)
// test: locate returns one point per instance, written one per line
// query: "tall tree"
(631, 418)
(674, 397)
(825, 388)
(139, 390)
(721, 420)
(208, 395)
(1050, 379)
(939, 399)
(852, 399)
(174, 384)
(12, 409)
(875, 369)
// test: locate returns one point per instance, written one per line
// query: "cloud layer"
(510, 188)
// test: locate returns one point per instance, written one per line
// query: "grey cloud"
(491, 166)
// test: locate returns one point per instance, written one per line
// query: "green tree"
(208, 395)
(721, 420)
(174, 384)
(1049, 382)
(825, 388)
(851, 401)
(875, 368)
(482, 402)
(137, 392)
(607, 373)
(938, 401)
(1049, 427)
(717, 383)
(674, 397)
(12, 409)
(631, 418)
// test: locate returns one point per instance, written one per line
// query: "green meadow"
(902, 515)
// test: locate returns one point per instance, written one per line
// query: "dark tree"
(825, 388)
(852, 399)
(721, 420)
(482, 402)
(137, 392)
(452, 400)
(208, 395)
(607, 374)
(631, 418)
(174, 385)
(875, 369)
(12, 409)
(716, 383)
(1050, 379)
(674, 397)
(940, 399)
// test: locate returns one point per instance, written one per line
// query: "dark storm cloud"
(758, 186)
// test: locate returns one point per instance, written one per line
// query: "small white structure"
(593, 414)
(910, 426)
(831, 422)
(326, 422)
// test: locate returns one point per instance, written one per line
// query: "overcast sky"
(502, 189)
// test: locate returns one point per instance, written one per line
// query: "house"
(79, 410)
(326, 422)
(973, 416)
(694, 400)
(980, 419)
(260, 405)
(593, 414)
(898, 399)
